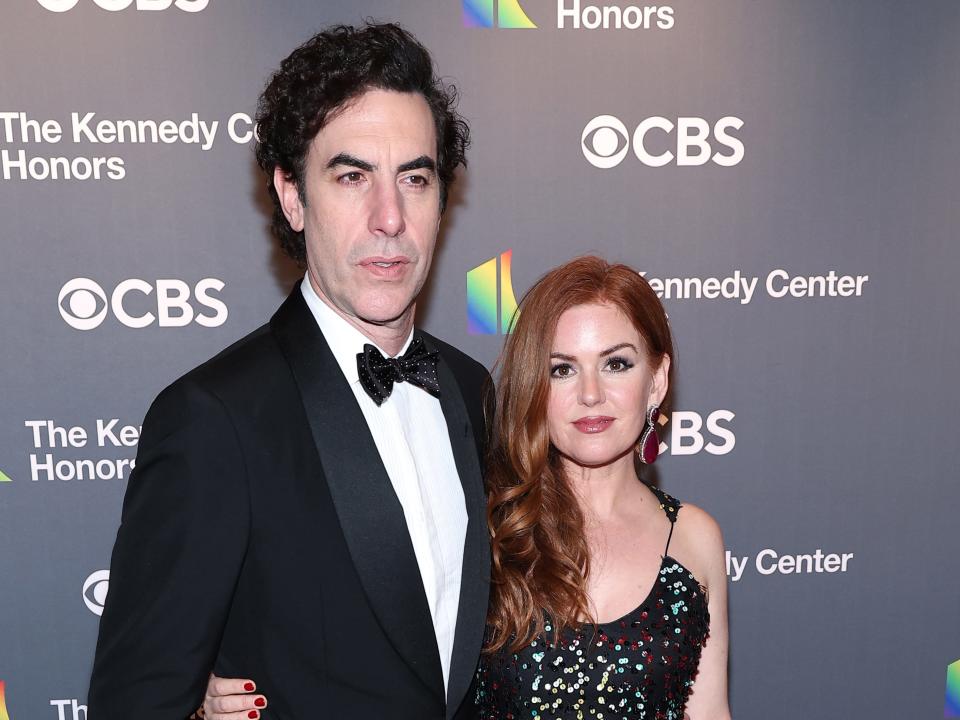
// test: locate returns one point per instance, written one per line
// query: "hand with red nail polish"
(231, 699)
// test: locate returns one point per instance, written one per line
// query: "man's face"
(372, 206)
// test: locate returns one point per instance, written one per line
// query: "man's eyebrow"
(608, 351)
(421, 163)
(350, 161)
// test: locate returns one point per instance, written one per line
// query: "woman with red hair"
(608, 597)
(607, 600)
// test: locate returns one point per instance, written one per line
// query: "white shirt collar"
(345, 341)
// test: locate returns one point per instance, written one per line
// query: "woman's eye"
(561, 371)
(618, 364)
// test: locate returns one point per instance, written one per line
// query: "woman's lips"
(593, 424)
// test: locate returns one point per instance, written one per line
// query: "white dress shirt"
(411, 436)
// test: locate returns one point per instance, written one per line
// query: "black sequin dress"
(640, 667)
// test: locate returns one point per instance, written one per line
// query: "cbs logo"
(687, 436)
(84, 304)
(59, 6)
(95, 590)
(605, 141)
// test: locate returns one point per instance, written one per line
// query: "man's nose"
(386, 214)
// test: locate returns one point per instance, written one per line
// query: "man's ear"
(289, 195)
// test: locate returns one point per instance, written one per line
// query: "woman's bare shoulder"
(698, 543)
(698, 525)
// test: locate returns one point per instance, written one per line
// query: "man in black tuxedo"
(307, 507)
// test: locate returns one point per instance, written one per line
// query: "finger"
(233, 703)
(219, 686)
(246, 715)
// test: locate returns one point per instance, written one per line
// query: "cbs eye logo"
(95, 591)
(83, 304)
(605, 141)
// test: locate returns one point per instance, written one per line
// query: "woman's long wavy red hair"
(540, 559)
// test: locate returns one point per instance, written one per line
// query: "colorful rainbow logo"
(951, 707)
(4, 715)
(482, 297)
(509, 14)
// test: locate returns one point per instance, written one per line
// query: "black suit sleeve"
(181, 543)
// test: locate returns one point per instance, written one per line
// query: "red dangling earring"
(648, 447)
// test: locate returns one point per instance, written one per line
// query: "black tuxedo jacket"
(261, 538)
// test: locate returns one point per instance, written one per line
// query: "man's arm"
(181, 543)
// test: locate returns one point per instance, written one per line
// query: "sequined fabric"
(640, 667)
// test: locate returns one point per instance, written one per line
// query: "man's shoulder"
(250, 365)
(250, 357)
(463, 366)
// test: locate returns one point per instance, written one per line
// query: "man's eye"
(351, 178)
(418, 180)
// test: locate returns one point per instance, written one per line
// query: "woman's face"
(601, 385)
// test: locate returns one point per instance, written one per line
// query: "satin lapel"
(475, 576)
(370, 514)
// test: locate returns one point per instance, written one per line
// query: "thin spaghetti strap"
(669, 537)
(671, 507)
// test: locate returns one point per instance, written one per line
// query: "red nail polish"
(249, 687)
(260, 702)
(253, 715)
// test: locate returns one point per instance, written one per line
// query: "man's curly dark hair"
(333, 67)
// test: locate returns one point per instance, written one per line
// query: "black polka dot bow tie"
(416, 366)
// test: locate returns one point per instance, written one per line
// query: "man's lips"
(385, 261)
(593, 424)
(385, 266)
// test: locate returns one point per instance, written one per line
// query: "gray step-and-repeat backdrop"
(785, 173)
